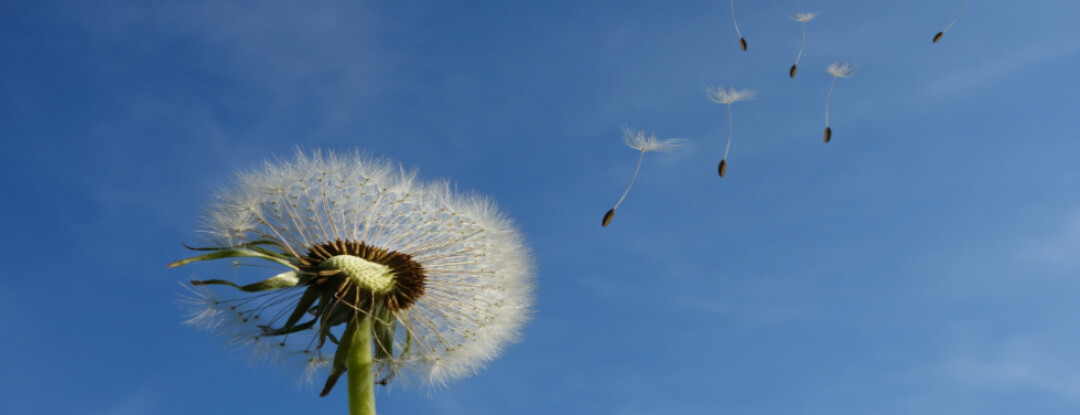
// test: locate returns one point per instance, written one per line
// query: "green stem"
(360, 369)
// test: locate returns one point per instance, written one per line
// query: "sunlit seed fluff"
(638, 140)
(837, 70)
(728, 96)
(842, 70)
(803, 18)
(476, 287)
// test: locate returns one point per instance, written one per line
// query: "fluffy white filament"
(478, 272)
(838, 70)
(639, 141)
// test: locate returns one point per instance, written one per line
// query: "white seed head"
(638, 140)
(728, 96)
(476, 271)
(803, 16)
(843, 70)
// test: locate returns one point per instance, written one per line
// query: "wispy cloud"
(279, 58)
(996, 68)
(1022, 363)
(756, 303)
(137, 403)
(1058, 249)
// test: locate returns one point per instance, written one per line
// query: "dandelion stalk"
(938, 36)
(639, 141)
(800, 17)
(742, 41)
(837, 70)
(360, 365)
(728, 96)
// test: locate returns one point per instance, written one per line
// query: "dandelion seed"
(800, 17)
(639, 141)
(837, 70)
(742, 41)
(382, 276)
(938, 36)
(729, 96)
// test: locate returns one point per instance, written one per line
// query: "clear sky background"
(926, 261)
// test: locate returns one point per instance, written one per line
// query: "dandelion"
(730, 96)
(382, 276)
(800, 17)
(742, 41)
(837, 70)
(639, 141)
(938, 36)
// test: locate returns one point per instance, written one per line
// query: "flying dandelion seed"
(639, 141)
(383, 277)
(837, 70)
(730, 96)
(938, 36)
(800, 17)
(742, 41)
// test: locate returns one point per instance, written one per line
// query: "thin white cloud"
(1059, 249)
(138, 403)
(1021, 364)
(994, 69)
(291, 57)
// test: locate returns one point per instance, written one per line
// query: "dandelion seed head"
(445, 274)
(640, 141)
(803, 16)
(729, 96)
(843, 70)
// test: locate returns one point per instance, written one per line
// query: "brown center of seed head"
(408, 274)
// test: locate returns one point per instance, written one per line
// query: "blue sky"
(923, 262)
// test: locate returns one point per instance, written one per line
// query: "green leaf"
(320, 313)
(267, 330)
(234, 253)
(282, 280)
(243, 245)
(302, 306)
(383, 325)
(408, 345)
(341, 357)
